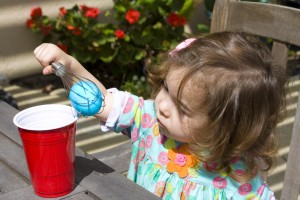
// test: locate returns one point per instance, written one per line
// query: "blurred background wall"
(17, 42)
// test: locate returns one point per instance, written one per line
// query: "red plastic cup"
(48, 136)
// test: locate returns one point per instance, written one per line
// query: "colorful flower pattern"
(165, 167)
(180, 161)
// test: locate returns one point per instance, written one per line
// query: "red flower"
(176, 20)
(71, 28)
(77, 31)
(62, 47)
(84, 7)
(30, 23)
(36, 12)
(120, 34)
(90, 11)
(46, 29)
(62, 11)
(132, 16)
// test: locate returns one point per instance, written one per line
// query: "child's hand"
(47, 53)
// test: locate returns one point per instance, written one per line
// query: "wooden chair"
(282, 24)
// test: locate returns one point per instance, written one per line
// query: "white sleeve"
(119, 102)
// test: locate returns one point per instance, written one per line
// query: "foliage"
(141, 29)
(137, 86)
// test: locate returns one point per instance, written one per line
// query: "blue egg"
(86, 98)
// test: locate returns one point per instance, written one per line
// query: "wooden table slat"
(26, 193)
(7, 126)
(9, 180)
(104, 181)
(81, 196)
(13, 155)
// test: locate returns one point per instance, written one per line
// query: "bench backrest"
(282, 24)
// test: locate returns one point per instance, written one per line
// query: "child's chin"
(164, 131)
(169, 135)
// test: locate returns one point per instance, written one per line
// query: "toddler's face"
(191, 118)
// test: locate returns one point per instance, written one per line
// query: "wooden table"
(94, 180)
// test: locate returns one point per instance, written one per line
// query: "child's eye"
(166, 86)
(183, 111)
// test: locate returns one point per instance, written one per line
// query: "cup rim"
(59, 107)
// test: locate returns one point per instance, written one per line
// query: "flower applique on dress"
(180, 161)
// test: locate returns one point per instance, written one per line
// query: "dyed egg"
(86, 98)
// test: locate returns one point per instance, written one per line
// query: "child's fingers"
(47, 70)
(46, 54)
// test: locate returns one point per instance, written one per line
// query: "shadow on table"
(87, 164)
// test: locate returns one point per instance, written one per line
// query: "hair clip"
(182, 45)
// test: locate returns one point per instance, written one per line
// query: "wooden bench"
(282, 24)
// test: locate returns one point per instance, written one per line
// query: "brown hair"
(245, 97)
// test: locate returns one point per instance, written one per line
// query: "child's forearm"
(78, 69)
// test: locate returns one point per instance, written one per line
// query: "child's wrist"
(71, 64)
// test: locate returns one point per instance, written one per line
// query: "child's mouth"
(162, 127)
(160, 124)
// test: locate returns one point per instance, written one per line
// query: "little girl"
(209, 132)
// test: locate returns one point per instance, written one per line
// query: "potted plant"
(115, 52)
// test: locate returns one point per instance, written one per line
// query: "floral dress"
(164, 167)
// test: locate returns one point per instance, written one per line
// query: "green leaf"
(156, 43)
(101, 41)
(169, 2)
(143, 19)
(82, 56)
(147, 1)
(176, 5)
(162, 11)
(140, 54)
(101, 26)
(126, 55)
(108, 31)
(75, 7)
(158, 25)
(203, 28)
(187, 8)
(111, 39)
(126, 38)
(107, 13)
(119, 8)
(138, 39)
(107, 54)
(45, 20)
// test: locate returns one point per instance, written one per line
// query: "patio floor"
(92, 140)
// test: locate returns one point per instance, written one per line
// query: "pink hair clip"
(182, 45)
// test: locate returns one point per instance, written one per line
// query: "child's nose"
(164, 108)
